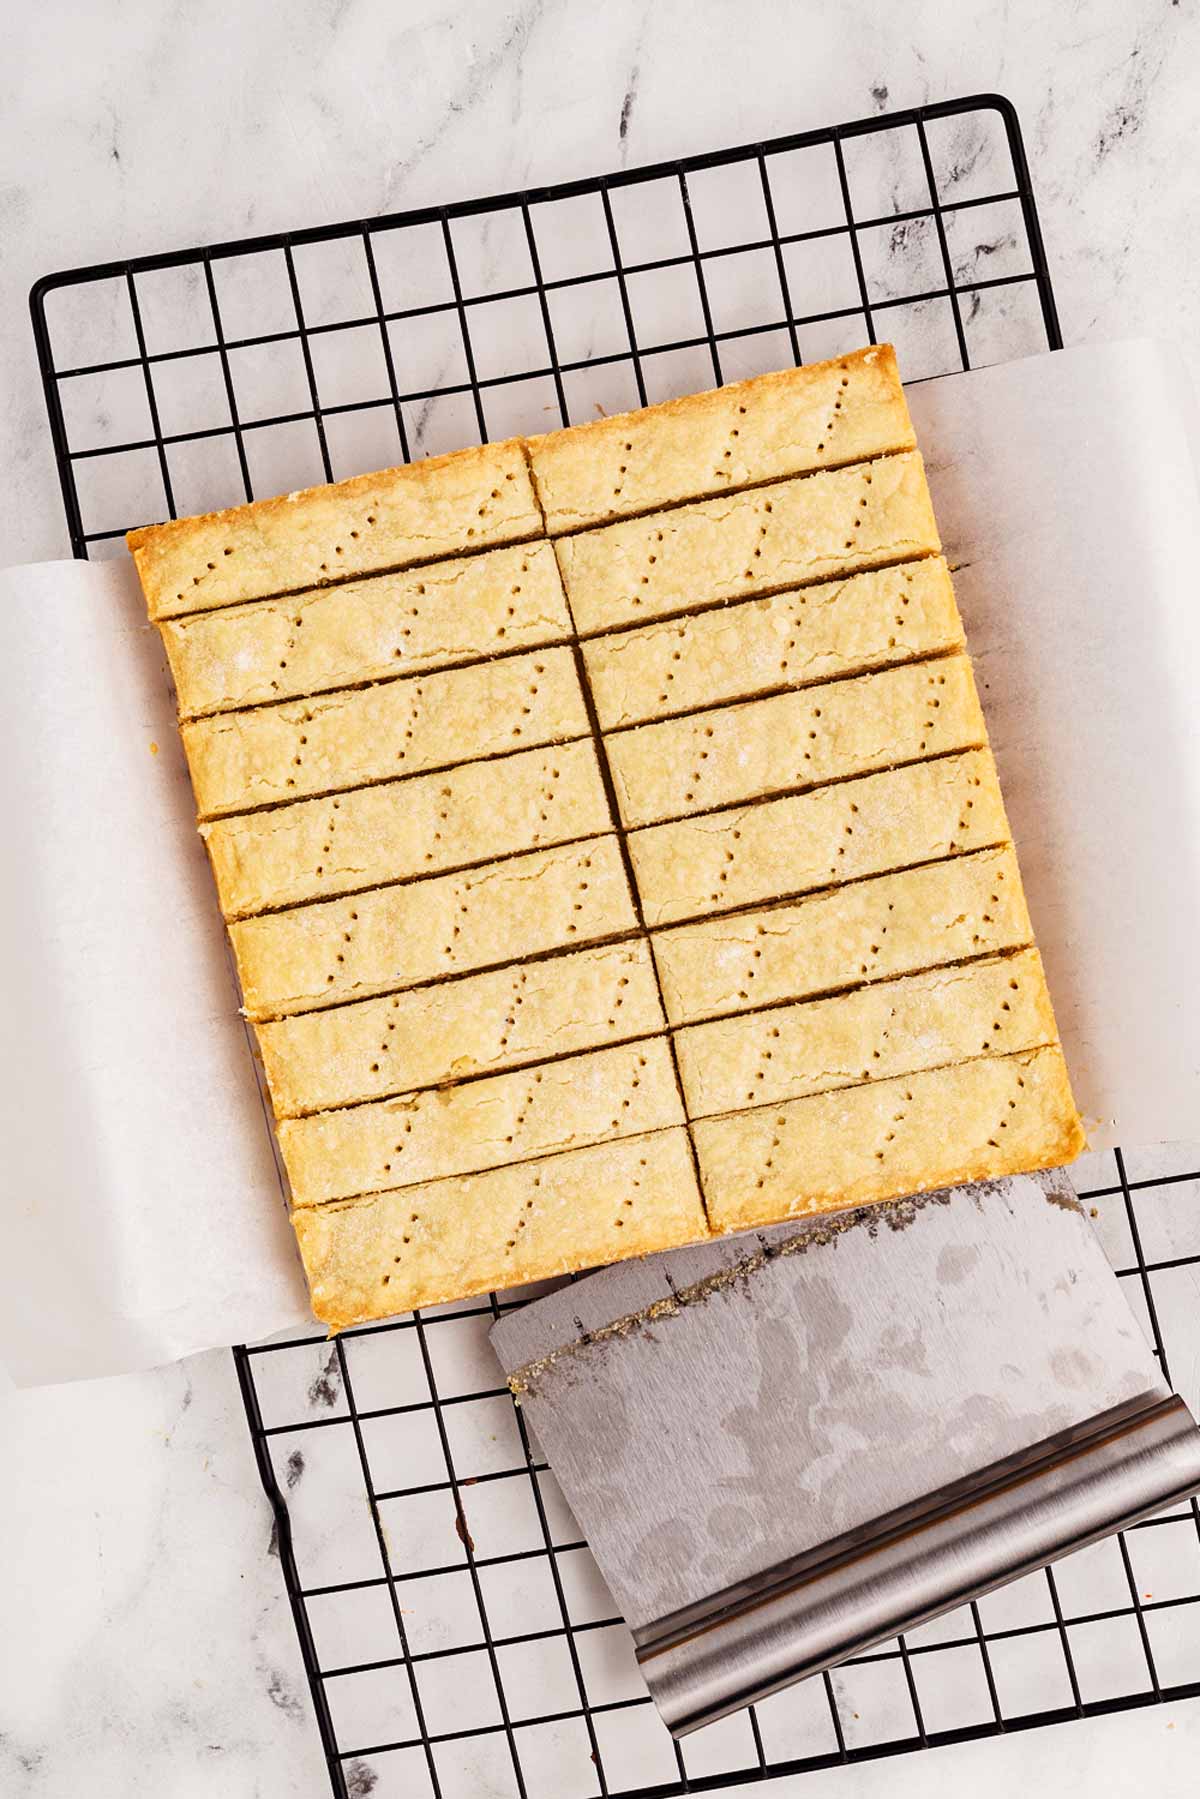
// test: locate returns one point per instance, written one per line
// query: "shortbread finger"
(788, 639)
(794, 740)
(893, 1027)
(868, 930)
(466, 501)
(806, 529)
(806, 841)
(368, 1258)
(341, 740)
(481, 1124)
(459, 817)
(481, 1023)
(758, 430)
(980, 1120)
(330, 637)
(397, 937)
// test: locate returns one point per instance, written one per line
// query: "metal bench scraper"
(786, 1446)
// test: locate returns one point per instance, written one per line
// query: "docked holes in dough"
(400, 830)
(329, 744)
(465, 1241)
(424, 930)
(916, 814)
(789, 639)
(456, 1028)
(869, 930)
(415, 513)
(888, 1138)
(759, 430)
(795, 740)
(890, 1027)
(803, 530)
(369, 630)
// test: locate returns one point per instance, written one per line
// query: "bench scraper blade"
(786, 1446)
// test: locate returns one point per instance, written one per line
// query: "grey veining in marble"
(157, 128)
(148, 1646)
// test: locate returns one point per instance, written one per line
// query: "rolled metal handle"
(808, 1615)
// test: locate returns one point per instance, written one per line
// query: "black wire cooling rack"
(456, 1634)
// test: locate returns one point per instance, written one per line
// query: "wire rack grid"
(456, 1634)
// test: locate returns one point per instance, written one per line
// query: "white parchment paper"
(141, 1215)
(1065, 490)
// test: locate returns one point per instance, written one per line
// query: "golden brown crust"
(889, 925)
(790, 639)
(463, 1129)
(466, 501)
(868, 826)
(396, 937)
(369, 1258)
(758, 430)
(806, 529)
(681, 766)
(890, 1028)
(980, 1120)
(372, 630)
(401, 829)
(479, 1024)
(337, 741)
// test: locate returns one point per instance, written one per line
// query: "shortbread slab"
(466, 501)
(397, 937)
(806, 529)
(371, 630)
(476, 813)
(980, 1120)
(868, 930)
(609, 841)
(757, 430)
(337, 741)
(480, 1124)
(792, 639)
(478, 1024)
(868, 826)
(794, 740)
(369, 1258)
(893, 1027)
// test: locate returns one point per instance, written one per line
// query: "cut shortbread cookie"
(481, 1124)
(396, 937)
(806, 529)
(868, 826)
(794, 740)
(336, 741)
(440, 1033)
(345, 636)
(891, 1027)
(788, 639)
(416, 513)
(753, 431)
(401, 829)
(867, 930)
(367, 1258)
(978, 1120)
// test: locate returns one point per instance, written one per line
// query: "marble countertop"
(154, 1651)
